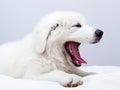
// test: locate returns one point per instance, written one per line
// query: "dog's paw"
(71, 80)
(75, 84)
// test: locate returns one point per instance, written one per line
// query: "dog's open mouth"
(72, 49)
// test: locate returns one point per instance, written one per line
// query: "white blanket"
(107, 78)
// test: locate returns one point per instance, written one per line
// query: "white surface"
(107, 78)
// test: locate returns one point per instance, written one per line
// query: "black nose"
(98, 33)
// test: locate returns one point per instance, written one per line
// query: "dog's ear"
(41, 37)
(41, 40)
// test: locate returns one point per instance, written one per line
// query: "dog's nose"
(98, 33)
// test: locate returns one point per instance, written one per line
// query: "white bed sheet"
(107, 78)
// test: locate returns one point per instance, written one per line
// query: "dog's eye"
(77, 25)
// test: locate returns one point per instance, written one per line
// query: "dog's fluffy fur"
(41, 54)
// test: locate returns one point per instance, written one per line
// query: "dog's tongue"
(73, 47)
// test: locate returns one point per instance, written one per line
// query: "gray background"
(18, 18)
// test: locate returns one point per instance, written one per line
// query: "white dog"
(50, 52)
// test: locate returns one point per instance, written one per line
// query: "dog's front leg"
(63, 78)
(82, 73)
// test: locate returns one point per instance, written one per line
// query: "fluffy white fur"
(41, 54)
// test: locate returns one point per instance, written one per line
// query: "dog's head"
(68, 29)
